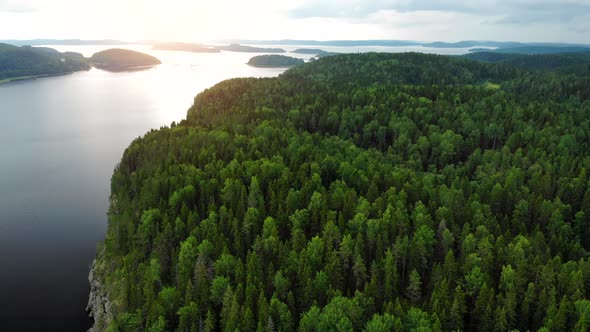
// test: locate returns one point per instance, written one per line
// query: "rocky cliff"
(98, 306)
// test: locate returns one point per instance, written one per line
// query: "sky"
(208, 20)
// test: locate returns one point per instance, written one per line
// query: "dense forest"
(274, 61)
(375, 192)
(575, 63)
(35, 61)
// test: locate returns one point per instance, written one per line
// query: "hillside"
(26, 61)
(543, 49)
(122, 59)
(274, 61)
(375, 192)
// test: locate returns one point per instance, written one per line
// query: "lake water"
(60, 138)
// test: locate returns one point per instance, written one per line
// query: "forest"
(365, 192)
(26, 61)
(118, 59)
(34, 61)
(274, 61)
(577, 63)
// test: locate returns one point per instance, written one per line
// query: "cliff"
(99, 306)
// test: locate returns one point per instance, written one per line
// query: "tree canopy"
(35, 61)
(360, 192)
(122, 59)
(274, 61)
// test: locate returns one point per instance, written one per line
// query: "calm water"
(60, 138)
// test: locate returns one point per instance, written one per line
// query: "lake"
(60, 139)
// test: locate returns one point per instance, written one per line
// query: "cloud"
(17, 6)
(509, 11)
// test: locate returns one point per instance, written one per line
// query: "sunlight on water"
(169, 88)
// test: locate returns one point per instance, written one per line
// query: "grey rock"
(99, 306)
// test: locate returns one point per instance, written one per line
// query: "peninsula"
(29, 62)
(274, 61)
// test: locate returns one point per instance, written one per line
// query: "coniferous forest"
(375, 192)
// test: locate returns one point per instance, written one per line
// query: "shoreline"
(122, 68)
(32, 77)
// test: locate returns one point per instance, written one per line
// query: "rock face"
(98, 306)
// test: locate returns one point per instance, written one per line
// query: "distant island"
(249, 49)
(481, 49)
(309, 51)
(28, 62)
(185, 47)
(317, 52)
(118, 59)
(274, 61)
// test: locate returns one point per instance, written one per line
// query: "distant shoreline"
(121, 68)
(32, 77)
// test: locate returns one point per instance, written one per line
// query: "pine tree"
(414, 289)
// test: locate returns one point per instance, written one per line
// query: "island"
(274, 61)
(118, 59)
(185, 47)
(249, 49)
(316, 52)
(309, 51)
(25, 62)
(480, 49)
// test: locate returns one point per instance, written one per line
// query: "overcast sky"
(203, 20)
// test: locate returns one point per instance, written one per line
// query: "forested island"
(376, 192)
(17, 63)
(314, 51)
(274, 61)
(118, 59)
(185, 47)
(27, 62)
